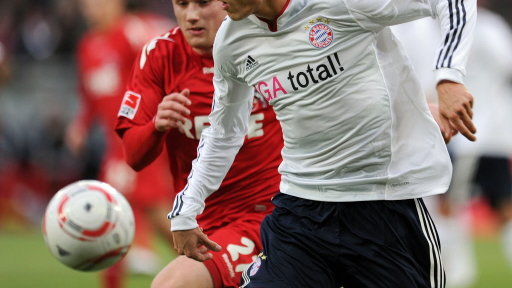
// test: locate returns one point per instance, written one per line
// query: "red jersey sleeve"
(145, 89)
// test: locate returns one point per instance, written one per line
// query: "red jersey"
(168, 64)
(104, 59)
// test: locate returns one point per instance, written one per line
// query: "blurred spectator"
(105, 55)
(40, 33)
(482, 166)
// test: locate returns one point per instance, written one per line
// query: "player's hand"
(434, 110)
(455, 110)
(172, 110)
(194, 244)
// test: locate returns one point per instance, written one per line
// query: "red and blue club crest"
(320, 35)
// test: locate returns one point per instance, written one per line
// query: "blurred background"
(38, 99)
(39, 96)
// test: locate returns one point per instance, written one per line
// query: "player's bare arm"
(455, 110)
(75, 138)
(172, 110)
(194, 244)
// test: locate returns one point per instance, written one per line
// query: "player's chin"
(202, 46)
(239, 15)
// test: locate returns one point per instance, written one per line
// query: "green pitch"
(493, 269)
(26, 262)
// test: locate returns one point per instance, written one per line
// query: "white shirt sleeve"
(456, 18)
(217, 148)
(457, 21)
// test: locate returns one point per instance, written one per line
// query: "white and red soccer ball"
(88, 225)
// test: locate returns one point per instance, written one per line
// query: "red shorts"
(240, 242)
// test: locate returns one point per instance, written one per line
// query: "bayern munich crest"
(320, 35)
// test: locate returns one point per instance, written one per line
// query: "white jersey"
(355, 121)
(419, 38)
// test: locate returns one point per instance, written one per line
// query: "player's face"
(239, 9)
(199, 20)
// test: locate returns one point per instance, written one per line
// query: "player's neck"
(203, 52)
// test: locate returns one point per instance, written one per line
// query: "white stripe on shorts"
(436, 267)
(245, 278)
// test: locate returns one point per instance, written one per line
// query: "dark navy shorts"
(312, 244)
(493, 177)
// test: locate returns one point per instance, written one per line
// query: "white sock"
(142, 261)
(457, 251)
(506, 235)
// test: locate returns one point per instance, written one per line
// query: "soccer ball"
(88, 225)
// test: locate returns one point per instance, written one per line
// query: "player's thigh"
(390, 244)
(290, 257)
(183, 272)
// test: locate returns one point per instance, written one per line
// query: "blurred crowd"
(45, 28)
(38, 98)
